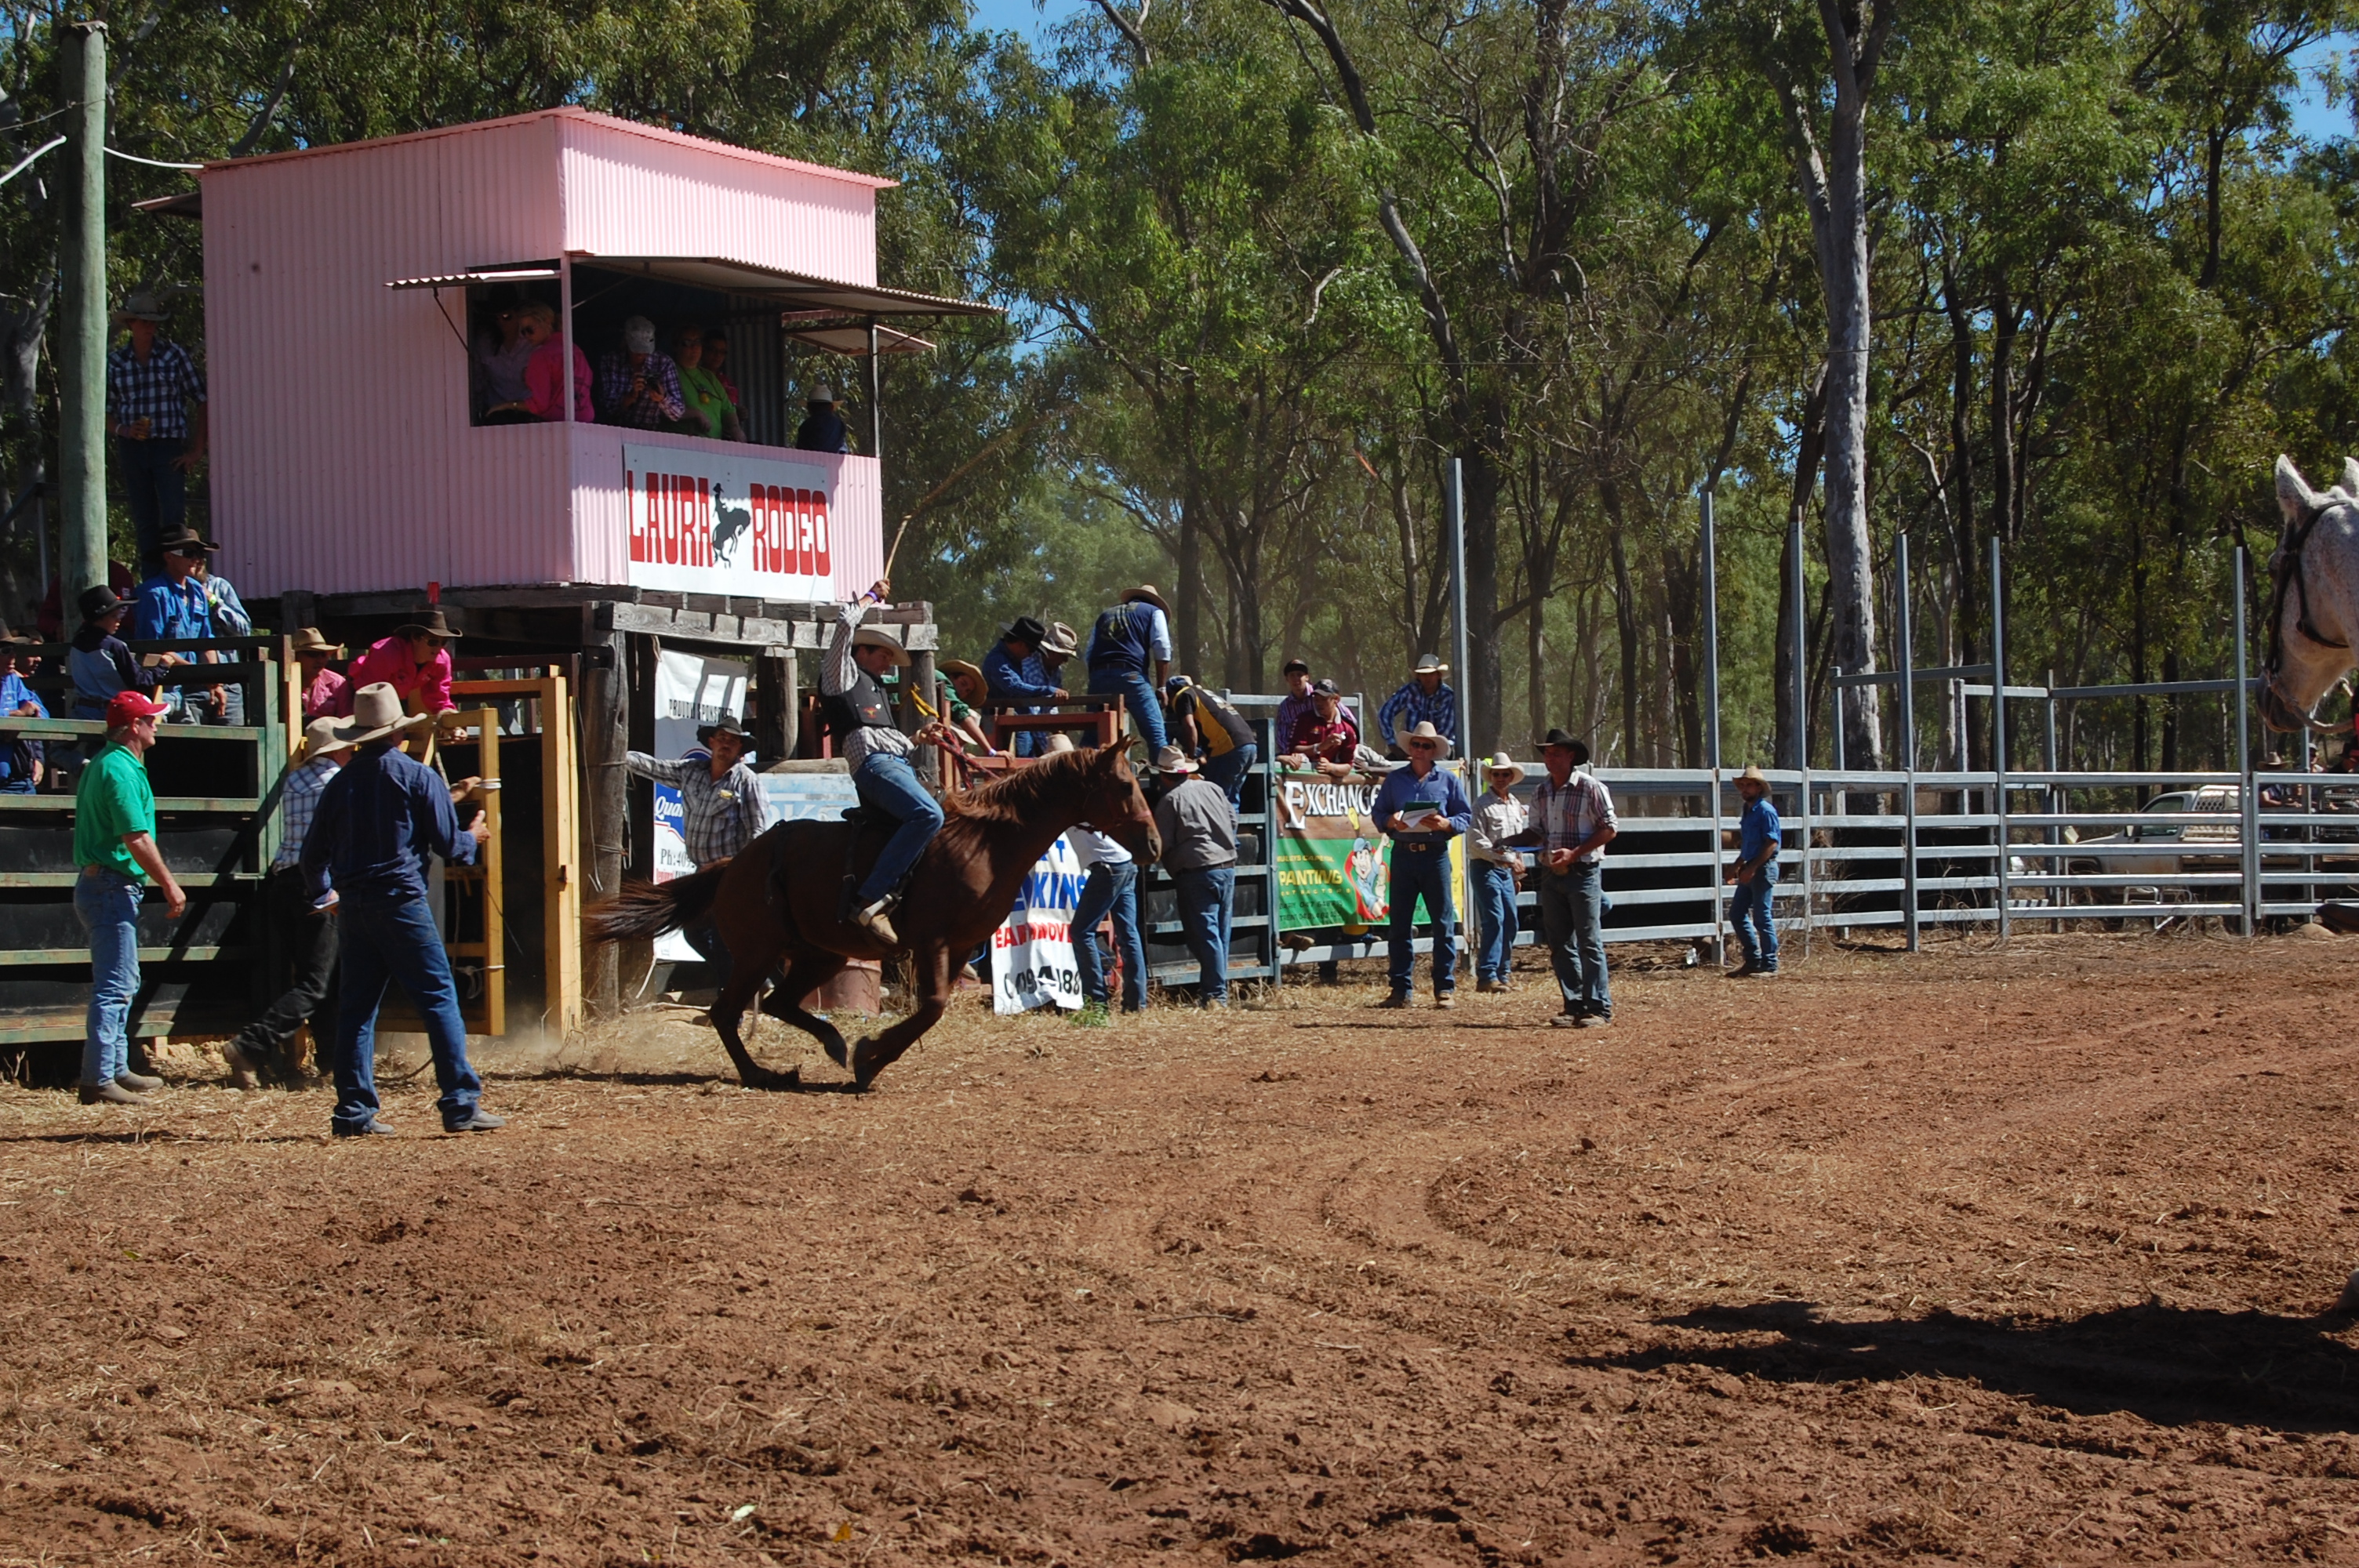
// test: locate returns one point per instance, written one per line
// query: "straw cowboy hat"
(1146, 591)
(1424, 734)
(1501, 763)
(429, 622)
(878, 637)
(1753, 775)
(1172, 759)
(1060, 642)
(1055, 744)
(958, 667)
(319, 739)
(308, 640)
(142, 305)
(376, 713)
(1429, 664)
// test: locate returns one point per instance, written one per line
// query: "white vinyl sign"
(1032, 952)
(718, 523)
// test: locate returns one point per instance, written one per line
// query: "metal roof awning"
(789, 290)
(851, 339)
(515, 271)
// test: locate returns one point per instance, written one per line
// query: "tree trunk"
(1188, 636)
(1484, 712)
(1850, 587)
(1625, 618)
(1682, 586)
(2004, 325)
(1809, 447)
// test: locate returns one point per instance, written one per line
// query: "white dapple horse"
(2313, 619)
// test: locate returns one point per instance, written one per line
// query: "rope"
(27, 161)
(151, 163)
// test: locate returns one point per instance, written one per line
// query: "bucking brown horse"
(781, 902)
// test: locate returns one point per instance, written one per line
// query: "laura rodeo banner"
(1032, 951)
(1334, 864)
(719, 522)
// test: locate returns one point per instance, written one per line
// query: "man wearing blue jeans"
(1200, 850)
(1130, 657)
(1110, 888)
(114, 842)
(377, 821)
(1755, 875)
(1572, 821)
(1499, 819)
(879, 754)
(1421, 808)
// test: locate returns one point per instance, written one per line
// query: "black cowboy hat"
(100, 602)
(728, 726)
(184, 538)
(1025, 630)
(1558, 738)
(430, 622)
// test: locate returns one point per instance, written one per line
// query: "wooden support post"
(605, 708)
(778, 705)
(921, 681)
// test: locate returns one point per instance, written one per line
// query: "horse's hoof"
(2348, 1304)
(771, 1083)
(865, 1065)
(835, 1051)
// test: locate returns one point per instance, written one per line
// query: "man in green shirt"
(114, 843)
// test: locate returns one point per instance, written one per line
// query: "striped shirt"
(298, 799)
(1412, 705)
(159, 389)
(1564, 817)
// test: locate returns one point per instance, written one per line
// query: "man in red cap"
(114, 844)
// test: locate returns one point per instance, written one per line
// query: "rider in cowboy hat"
(377, 821)
(415, 661)
(880, 753)
(1755, 876)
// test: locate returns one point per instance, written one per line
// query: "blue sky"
(1023, 15)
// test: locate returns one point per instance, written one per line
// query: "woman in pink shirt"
(543, 373)
(415, 661)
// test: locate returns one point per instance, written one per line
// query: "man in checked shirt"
(304, 932)
(722, 809)
(1572, 821)
(156, 412)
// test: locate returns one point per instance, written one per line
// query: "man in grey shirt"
(1200, 850)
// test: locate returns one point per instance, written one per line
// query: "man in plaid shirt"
(1572, 821)
(152, 384)
(304, 933)
(722, 809)
(1423, 700)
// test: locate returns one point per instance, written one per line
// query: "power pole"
(81, 343)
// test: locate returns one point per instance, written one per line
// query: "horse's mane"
(1017, 797)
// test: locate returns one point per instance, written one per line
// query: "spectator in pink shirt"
(544, 397)
(415, 661)
(324, 691)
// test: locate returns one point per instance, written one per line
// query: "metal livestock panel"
(631, 193)
(345, 458)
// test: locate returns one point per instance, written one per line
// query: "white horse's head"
(2313, 596)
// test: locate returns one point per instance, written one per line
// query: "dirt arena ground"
(2018, 1257)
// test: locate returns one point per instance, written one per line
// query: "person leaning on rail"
(115, 846)
(722, 809)
(377, 822)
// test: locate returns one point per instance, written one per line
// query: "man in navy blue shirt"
(1130, 639)
(1755, 876)
(377, 822)
(1421, 808)
(1017, 677)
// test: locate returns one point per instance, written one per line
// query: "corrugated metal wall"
(758, 350)
(630, 195)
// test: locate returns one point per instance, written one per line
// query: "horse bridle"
(2284, 567)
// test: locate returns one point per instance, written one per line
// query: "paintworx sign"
(750, 526)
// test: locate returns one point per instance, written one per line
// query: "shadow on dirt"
(2166, 1364)
(645, 1080)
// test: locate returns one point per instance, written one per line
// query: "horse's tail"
(651, 909)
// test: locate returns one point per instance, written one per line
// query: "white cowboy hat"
(1172, 759)
(1429, 664)
(376, 713)
(878, 637)
(1501, 763)
(1055, 744)
(1427, 735)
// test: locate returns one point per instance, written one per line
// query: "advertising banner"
(748, 526)
(1032, 951)
(689, 692)
(1334, 864)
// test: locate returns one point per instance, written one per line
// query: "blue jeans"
(154, 491)
(382, 943)
(1229, 772)
(1205, 898)
(1573, 913)
(1749, 909)
(887, 784)
(1422, 869)
(108, 903)
(1111, 889)
(1137, 694)
(1495, 920)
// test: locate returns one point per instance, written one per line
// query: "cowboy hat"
(429, 622)
(319, 739)
(727, 726)
(1146, 591)
(878, 637)
(376, 713)
(1501, 763)
(958, 667)
(1424, 734)
(1025, 630)
(1429, 664)
(307, 640)
(1753, 775)
(142, 305)
(1055, 744)
(10, 637)
(182, 539)
(1560, 738)
(1172, 759)
(1060, 642)
(821, 395)
(97, 603)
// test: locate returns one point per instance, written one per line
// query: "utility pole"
(82, 344)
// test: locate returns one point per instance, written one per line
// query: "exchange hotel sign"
(720, 523)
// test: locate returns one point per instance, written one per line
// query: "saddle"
(870, 830)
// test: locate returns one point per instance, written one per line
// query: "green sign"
(1334, 864)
